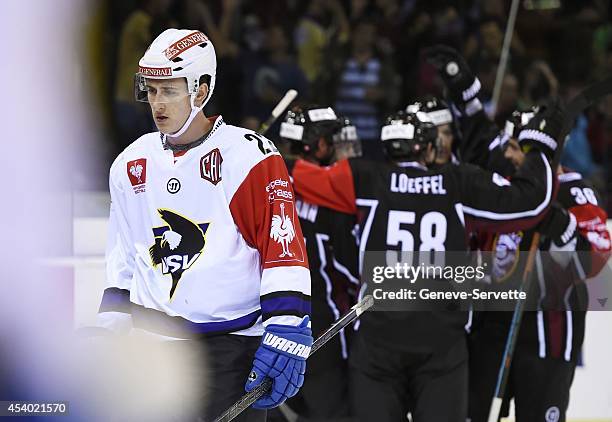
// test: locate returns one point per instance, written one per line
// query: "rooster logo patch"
(177, 245)
(282, 231)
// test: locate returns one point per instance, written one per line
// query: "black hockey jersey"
(407, 207)
(332, 251)
(333, 271)
(556, 328)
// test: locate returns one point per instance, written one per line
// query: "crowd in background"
(364, 57)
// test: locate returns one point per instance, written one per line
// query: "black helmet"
(304, 126)
(346, 142)
(518, 120)
(406, 135)
(437, 110)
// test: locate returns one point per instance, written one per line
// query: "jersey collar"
(216, 120)
(414, 164)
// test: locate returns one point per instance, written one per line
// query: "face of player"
(444, 144)
(429, 155)
(325, 152)
(514, 153)
(170, 103)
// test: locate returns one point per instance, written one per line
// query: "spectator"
(600, 137)
(314, 34)
(197, 14)
(361, 84)
(256, 66)
(367, 86)
(577, 151)
(132, 118)
(508, 99)
(485, 44)
(270, 74)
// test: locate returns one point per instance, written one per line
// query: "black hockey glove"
(544, 129)
(559, 225)
(461, 83)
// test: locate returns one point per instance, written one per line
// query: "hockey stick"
(278, 110)
(587, 97)
(251, 397)
(503, 59)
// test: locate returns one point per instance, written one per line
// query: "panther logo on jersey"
(506, 255)
(178, 245)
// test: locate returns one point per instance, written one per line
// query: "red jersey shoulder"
(285, 230)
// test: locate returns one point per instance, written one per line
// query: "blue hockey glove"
(281, 357)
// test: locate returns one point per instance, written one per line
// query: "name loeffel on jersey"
(433, 185)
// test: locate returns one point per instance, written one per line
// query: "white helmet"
(177, 53)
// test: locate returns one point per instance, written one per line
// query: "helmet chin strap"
(194, 112)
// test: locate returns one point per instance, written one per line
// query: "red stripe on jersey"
(556, 333)
(263, 208)
(330, 187)
(591, 221)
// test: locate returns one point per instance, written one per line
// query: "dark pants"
(540, 387)
(387, 383)
(323, 397)
(228, 359)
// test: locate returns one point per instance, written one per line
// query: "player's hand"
(559, 225)
(461, 83)
(281, 357)
(544, 129)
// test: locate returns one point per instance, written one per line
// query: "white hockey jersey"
(206, 243)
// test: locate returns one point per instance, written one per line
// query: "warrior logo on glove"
(282, 358)
(178, 245)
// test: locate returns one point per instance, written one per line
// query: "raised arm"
(332, 187)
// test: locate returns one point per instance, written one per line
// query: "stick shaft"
(251, 397)
(278, 110)
(503, 60)
(515, 325)
(576, 106)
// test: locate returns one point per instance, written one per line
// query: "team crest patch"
(210, 166)
(506, 254)
(177, 245)
(137, 173)
(282, 231)
(552, 414)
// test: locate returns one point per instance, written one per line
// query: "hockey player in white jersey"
(204, 240)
